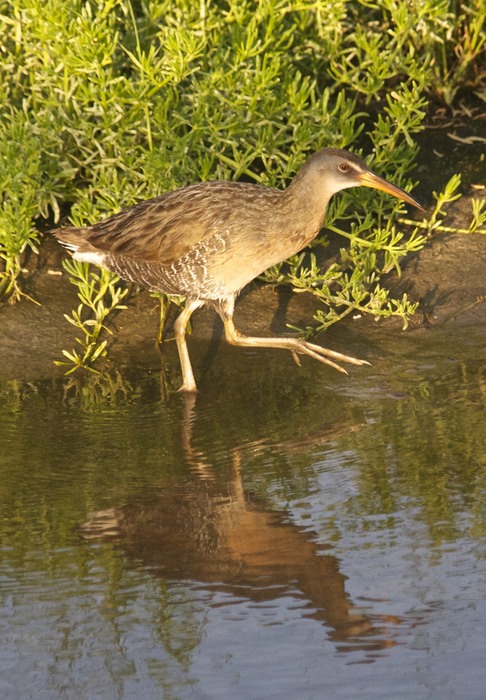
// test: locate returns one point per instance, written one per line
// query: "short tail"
(75, 242)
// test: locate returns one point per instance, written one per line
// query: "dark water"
(290, 533)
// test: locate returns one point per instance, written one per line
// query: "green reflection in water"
(427, 448)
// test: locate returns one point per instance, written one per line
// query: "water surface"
(289, 533)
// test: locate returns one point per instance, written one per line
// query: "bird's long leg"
(180, 326)
(296, 346)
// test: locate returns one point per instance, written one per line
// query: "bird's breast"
(236, 261)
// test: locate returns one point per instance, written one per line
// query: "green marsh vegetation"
(110, 102)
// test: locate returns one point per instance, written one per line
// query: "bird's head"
(337, 169)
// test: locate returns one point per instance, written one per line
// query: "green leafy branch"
(435, 223)
(100, 295)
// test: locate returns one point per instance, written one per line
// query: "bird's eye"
(343, 167)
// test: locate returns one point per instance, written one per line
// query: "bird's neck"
(305, 202)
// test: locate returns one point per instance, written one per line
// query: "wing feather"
(165, 228)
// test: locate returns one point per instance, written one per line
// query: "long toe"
(306, 350)
(318, 352)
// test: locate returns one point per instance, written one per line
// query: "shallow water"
(289, 533)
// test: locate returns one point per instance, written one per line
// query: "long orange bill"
(369, 179)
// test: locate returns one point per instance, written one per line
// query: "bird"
(208, 240)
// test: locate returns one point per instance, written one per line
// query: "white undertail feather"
(89, 256)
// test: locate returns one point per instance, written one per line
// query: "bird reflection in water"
(210, 530)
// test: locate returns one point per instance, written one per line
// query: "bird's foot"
(325, 355)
